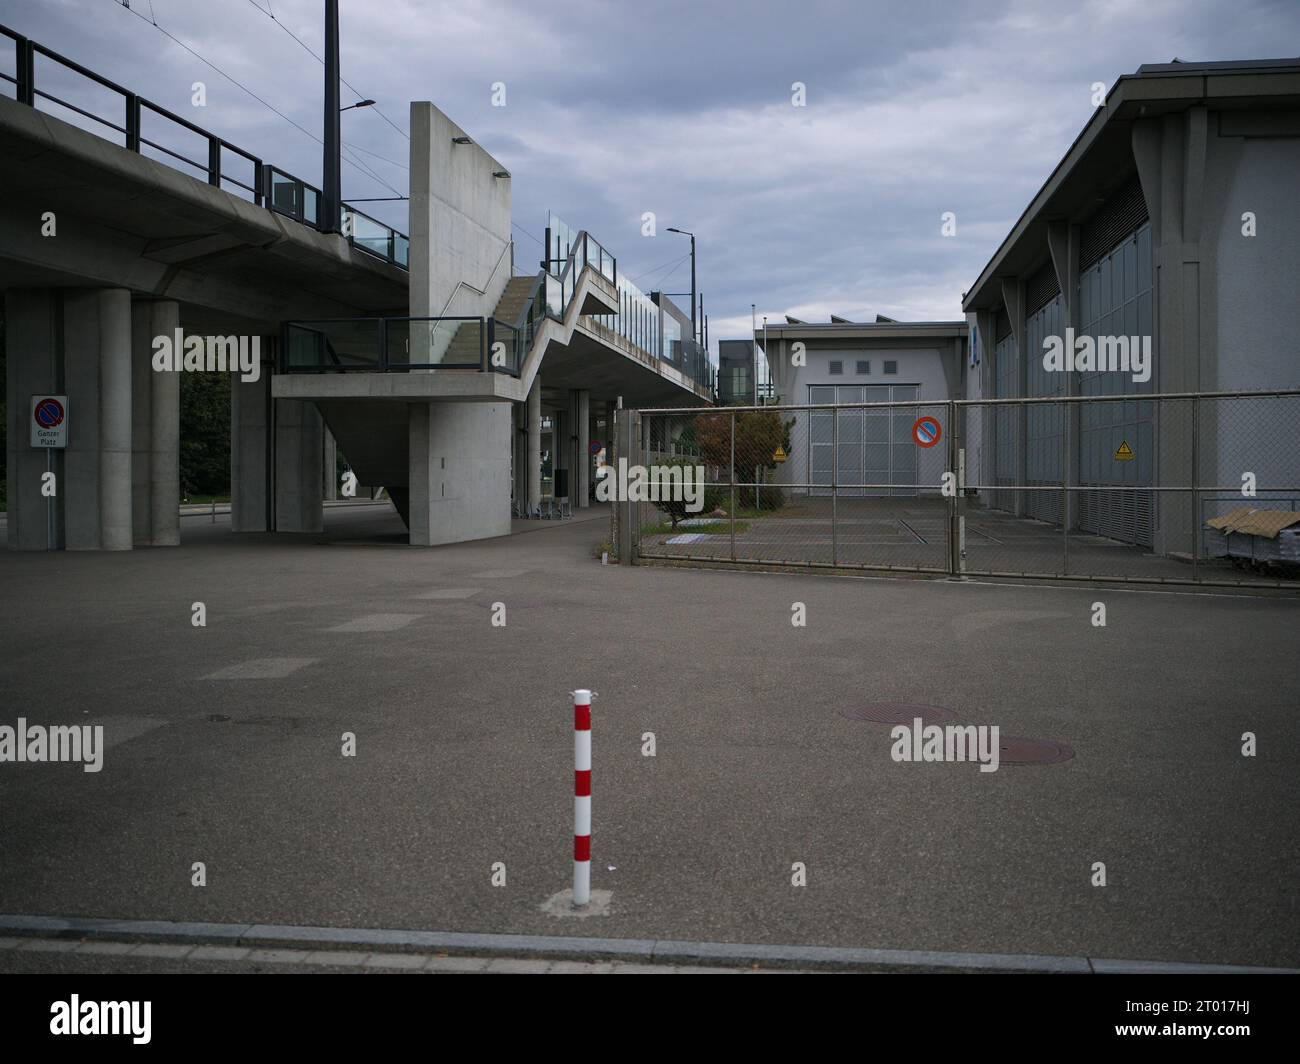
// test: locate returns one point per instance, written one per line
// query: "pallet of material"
(1255, 534)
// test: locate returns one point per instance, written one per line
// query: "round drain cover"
(1015, 750)
(898, 713)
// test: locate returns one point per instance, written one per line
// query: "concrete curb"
(555, 947)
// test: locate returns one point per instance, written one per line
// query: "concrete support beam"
(251, 416)
(459, 456)
(1013, 297)
(114, 310)
(79, 485)
(34, 356)
(561, 447)
(519, 423)
(299, 440)
(1170, 153)
(1063, 243)
(583, 486)
(534, 455)
(155, 430)
(329, 462)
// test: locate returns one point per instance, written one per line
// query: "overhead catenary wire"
(318, 59)
(355, 163)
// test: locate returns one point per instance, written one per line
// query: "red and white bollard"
(581, 797)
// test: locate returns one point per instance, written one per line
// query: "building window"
(891, 367)
(863, 367)
(837, 369)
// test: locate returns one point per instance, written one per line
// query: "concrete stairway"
(464, 347)
(513, 299)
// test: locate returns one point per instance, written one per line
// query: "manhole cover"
(898, 713)
(1014, 750)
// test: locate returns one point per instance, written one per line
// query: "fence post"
(956, 465)
(214, 162)
(733, 485)
(835, 479)
(625, 444)
(1065, 487)
(1196, 495)
(132, 122)
(25, 62)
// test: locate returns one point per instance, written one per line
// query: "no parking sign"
(49, 421)
(926, 431)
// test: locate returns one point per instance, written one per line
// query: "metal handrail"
(26, 92)
(486, 284)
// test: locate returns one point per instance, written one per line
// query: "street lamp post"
(331, 170)
(682, 232)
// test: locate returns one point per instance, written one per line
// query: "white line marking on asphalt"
(261, 669)
(450, 593)
(377, 622)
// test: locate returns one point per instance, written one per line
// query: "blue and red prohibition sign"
(926, 432)
(49, 413)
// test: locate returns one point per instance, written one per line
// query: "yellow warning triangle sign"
(780, 455)
(1125, 452)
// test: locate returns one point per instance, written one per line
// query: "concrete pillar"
(34, 357)
(251, 416)
(583, 449)
(459, 455)
(1013, 298)
(155, 430)
(534, 455)
(329, 464)
(562, 449)
(114, 310)
(299, 440)
(79, 485)
(519, 460)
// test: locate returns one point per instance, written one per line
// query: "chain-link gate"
(1201, 488)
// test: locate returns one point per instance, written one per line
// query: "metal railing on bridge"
(192, 150)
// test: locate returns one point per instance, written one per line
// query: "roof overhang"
(1101, 157)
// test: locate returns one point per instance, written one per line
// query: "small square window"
(891, 367)
(864, 367)
(837, 369)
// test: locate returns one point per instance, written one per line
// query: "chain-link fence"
(1182, 489)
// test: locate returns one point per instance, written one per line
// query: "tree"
(758, 435)
(205, 433)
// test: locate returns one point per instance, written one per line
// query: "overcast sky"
(685, 109)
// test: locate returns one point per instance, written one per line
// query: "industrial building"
(1174, 216)
(884, 361)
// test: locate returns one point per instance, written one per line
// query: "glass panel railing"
(435, 343)
(310, 206)
(345, 344)
(506, 352)
(283, 196)
(375, 237)
(554, 296)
